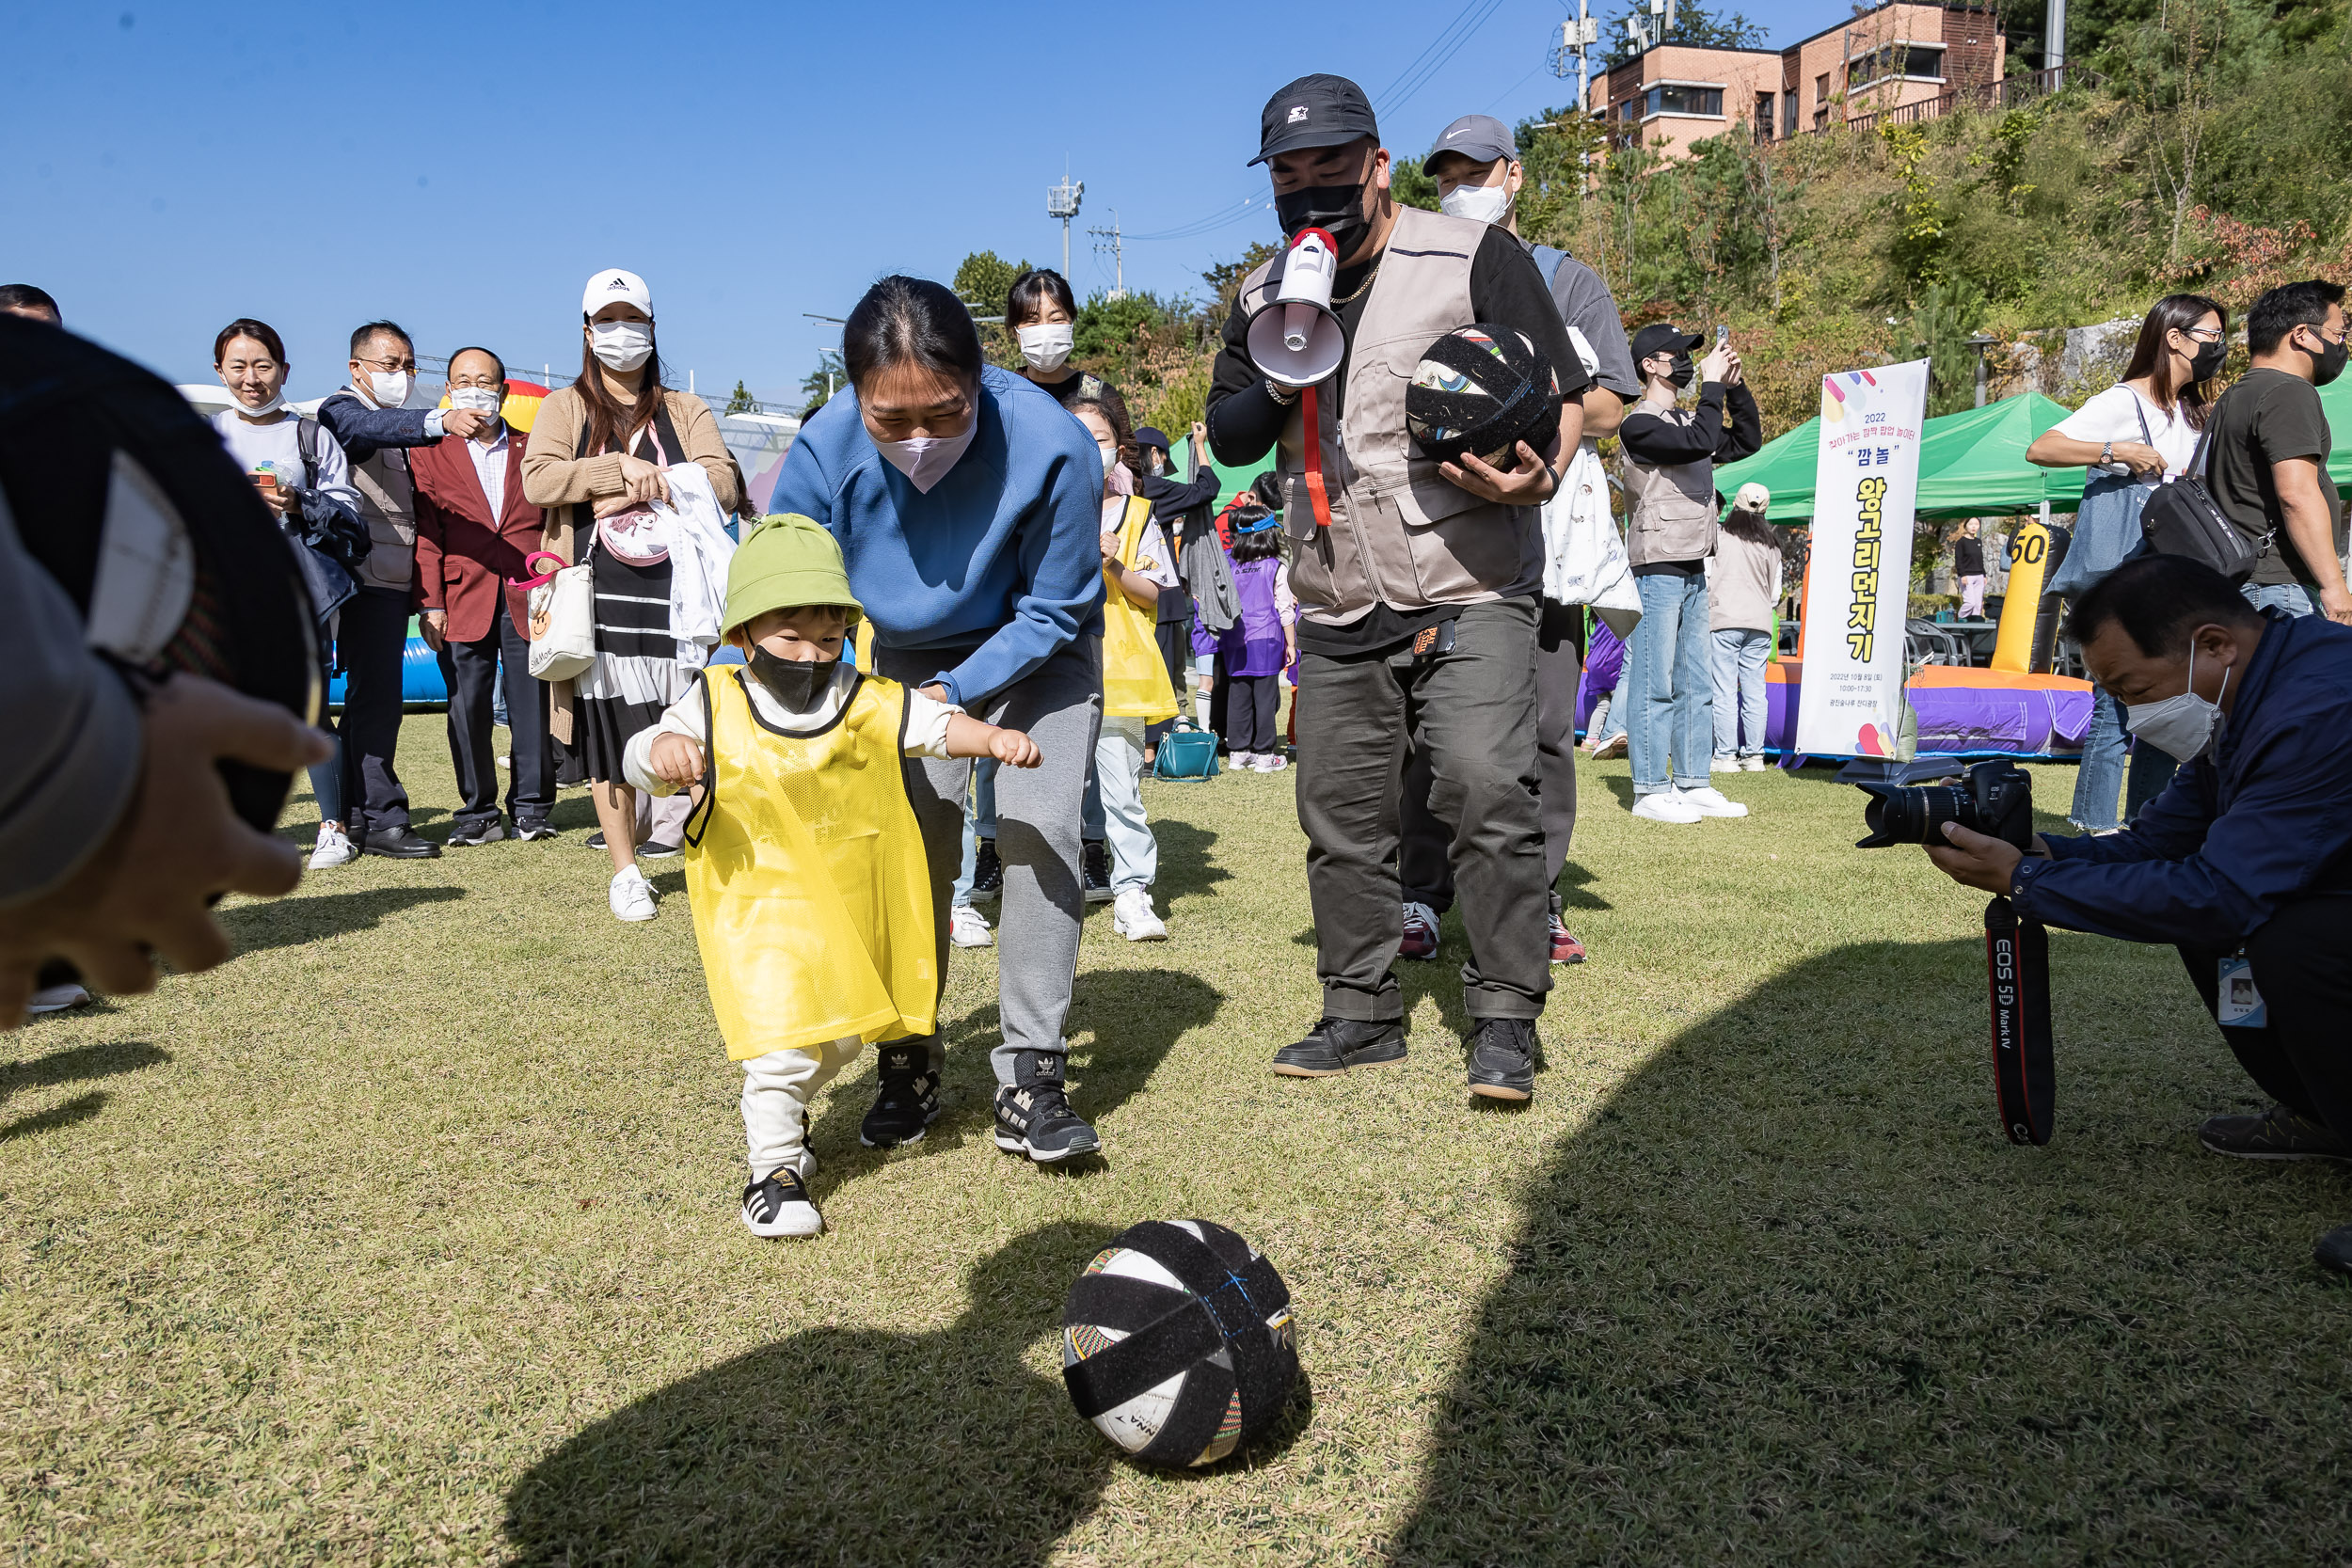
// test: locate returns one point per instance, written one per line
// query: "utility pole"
(1576, 36)
(1110, 239)
(1061, 202)
(2053, 44)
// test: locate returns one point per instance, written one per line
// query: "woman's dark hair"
(246, 327)
(610, 421)
(911, 321)
(27, 297)
(1027, 299)
(1259, 543)
(1126, 447)
(2173, 312)
(1750, 526)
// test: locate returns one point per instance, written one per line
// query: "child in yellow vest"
(812, 900)
(1137, 566)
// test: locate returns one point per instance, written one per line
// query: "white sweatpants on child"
(777, 1088)
(1119, 775)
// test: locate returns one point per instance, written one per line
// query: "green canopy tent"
(1971, 462)
(2336, 399)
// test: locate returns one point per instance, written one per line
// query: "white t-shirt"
(2115, 414)
(280, 446)
(925, 726)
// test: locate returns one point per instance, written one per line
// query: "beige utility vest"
(1670, 512)
(388, 504)
(1400, 533)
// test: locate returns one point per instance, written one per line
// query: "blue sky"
(169, 167)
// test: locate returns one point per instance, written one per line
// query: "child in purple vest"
(1254, 651)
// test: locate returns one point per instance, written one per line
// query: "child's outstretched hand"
(676, 760)
(1013, 749)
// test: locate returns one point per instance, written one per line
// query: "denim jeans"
(1739, 654)
(980, 822)
(2288, 596)
(1670, 705)
(2103, 771)
(1612, 717)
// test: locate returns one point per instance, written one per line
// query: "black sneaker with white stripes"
(778, 1204)
(906, 1097)
(1033, 1114)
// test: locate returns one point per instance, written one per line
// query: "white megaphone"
(1294, 338)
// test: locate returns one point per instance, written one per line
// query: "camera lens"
(1899, 815)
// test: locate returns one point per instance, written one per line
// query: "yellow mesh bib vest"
(1134, 675)
(812, 900)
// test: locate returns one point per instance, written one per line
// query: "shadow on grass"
(79, 1109)
(289, 922)
(1790, 1296)
(844, 1444)
(1186, 866)
(81, 1062)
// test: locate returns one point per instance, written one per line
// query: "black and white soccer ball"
(1482, 389)
(1177, 1342)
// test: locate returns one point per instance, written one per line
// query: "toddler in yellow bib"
(812, 900)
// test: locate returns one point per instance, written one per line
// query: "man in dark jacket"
(2244, 864)
(369, 419)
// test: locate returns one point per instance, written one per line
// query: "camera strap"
(2017, 975)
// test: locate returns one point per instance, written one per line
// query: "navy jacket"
(2262, 819)
(363, 432)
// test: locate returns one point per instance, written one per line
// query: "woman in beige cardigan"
(597, 451)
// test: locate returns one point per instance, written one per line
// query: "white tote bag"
(1584, 560)
(563, 625)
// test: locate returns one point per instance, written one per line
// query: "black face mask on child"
(792, 681)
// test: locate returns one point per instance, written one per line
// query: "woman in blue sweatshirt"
(968, 504)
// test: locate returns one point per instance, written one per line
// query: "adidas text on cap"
(1314, 111)
(614, 286)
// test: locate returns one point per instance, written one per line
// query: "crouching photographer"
(2244, 864)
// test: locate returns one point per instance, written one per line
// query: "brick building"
(1919, 59)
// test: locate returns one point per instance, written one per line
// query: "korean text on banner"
(1858, 584)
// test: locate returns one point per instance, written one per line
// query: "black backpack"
(2183, 518)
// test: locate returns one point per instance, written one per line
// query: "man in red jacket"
(474, 527)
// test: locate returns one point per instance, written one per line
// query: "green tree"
(741, 401)
(983, 279)
(1694, 22)
(821, 383)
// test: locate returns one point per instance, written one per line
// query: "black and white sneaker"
(906, 1098)
(1034, 1117)
(778, 1204)
(1502, 1054)
(654, 849)
(1336, 1044)
(988, 872)
(467, 838)
(2276, 1133)
(532, 832)
(1094, 871)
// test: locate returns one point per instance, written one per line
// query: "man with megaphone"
(1416, 579)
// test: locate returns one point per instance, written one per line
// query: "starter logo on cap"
(1298, 113)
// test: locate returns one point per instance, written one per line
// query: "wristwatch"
(2106, 455)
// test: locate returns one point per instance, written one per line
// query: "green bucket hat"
(786, 562)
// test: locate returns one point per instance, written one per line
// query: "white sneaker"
(1271, 762)
(1242, 762)
(968, 927)
(333, 848)
(1131, 916)
(1723, 765)
(1667, 805)
(57, 999)
(631, 897)
(1753, 765)
(1614, 745)
(1710, 802)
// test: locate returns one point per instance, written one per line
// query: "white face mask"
(1044, 347)
(276, 400)
(2181, 727)
(1479, 203)
(390, 391)
(622, 345)
(926, 459)
(482, 400)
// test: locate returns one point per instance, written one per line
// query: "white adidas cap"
(1752, 498)
(612, 287)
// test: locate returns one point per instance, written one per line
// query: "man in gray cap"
(1479, 174)
(1417, 584)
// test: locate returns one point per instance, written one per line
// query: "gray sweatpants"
(1059, 706)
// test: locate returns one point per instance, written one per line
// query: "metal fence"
(2006, 93)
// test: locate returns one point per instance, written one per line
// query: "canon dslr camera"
(1993, 797)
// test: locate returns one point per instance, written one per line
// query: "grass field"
(409, 1236)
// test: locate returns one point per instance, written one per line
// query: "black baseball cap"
(1148, 436)
(1480, 138)
(1664, 338)
(1314, 111)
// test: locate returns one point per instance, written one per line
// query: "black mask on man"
(1683, 371)
(1337, 210)
(2206, 363)
(794, 683)
(2328, 363)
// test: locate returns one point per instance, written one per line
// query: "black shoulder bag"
(2183, 518)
